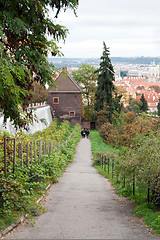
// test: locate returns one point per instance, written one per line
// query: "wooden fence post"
(20, 153)
(108, 165)
(31, 153)
(117, 177)
(102, 160)
(27, 158)
(148, 192)
(51, 148)
(44, 147)
(40, 150)
(105, 163)
(112, 167)
(124, 181)
(35, 153)
(48, 148)
(5, 158)
(14, 154)
(133, 184)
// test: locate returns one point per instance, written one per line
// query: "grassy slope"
(98, 145)
(151, 217)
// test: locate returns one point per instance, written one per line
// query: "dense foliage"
(136, 140)
(87, 79)
(24, 27)
(133, 105)
(134, 172)
(28, 182)
(39, 93)
(127, 127)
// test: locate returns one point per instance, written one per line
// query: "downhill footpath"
(84, 205)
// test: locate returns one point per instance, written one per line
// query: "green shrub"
(21, 189)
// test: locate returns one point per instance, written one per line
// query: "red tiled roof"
(150, 95)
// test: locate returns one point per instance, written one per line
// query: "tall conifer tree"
(158, 108)
(144, 106)
(105, 88)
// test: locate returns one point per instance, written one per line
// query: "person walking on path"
(87, 132)
(84, 205)
(83, 133)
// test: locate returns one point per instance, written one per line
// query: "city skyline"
(129, 29)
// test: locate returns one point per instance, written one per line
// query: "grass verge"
(147, 211)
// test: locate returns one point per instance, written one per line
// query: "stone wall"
(44, 119)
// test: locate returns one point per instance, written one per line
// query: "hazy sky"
(129, 28)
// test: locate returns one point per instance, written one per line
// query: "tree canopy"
(87, 79)
(24, 27)
(39, 93)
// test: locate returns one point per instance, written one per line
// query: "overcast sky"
(129, 28)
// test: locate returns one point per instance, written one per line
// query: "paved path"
(83, 205)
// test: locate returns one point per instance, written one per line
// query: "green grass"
(98, 145)
(8, 220)
(147, 211)
(150, 217)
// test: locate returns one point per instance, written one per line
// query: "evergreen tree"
(143, 107)
(158, 107)
(105, 86)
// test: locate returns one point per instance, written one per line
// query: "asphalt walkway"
(83, 205)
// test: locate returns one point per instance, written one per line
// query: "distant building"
(154, 73)
(66, 98)
(144, 74)
(151, 97)
(135, 87)
(133, 73)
